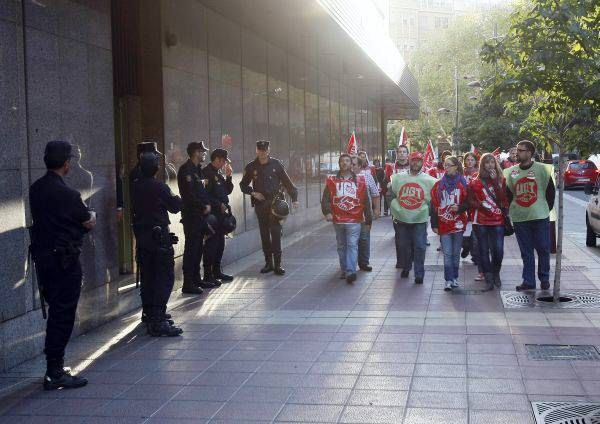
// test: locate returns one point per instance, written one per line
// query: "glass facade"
(239, 88)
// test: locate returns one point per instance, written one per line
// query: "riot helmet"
(280, 208)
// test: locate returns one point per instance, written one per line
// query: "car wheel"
(590, 237)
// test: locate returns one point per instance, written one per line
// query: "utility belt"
(65, 251)
(154, 236)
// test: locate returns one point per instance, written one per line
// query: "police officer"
(267, 175)
(60, 220)
(219, 187)
(147, 146)
(151, 201)
(195, 208)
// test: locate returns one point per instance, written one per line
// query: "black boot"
(268, 265)
(59, 377)
(162, 328)
(210, 281)
(497, 280)
(190, 286)
(489, 281)
(218, 273)
(278, 269)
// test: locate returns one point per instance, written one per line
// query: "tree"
(549, 61)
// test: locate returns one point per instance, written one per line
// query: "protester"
(531, 195)
(489, 204)
(380, 178)
(401, 166)
(364, 242)
(346, 203)
(438, 171)
(410, 212)
(470, 170)
(511, 160)
(449, 203)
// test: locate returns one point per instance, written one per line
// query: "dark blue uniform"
(151, 202)
(56, 238)
(268, 180)
(195, 199)
(219, 188)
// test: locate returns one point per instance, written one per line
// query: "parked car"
(580, 172)
(592, 213)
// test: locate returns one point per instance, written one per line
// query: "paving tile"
(220, 379)
(370, 382)
(205, 393)
(439, 384)
(371, 414)
(130, 408)
(441, 358)
(388, 368)
(315, 396)
(146, 392)
(249, 411)
(310, 413)
(336, 368)
(554, 387)
(430, 415)
(500, 417)
(188, 409)
(262, 394)
(496, 385)
(440, 370)
(334, 381)
(436, 400)
(443, 347)
(378, 397)
(493, 371)
(499, 401)
(292, 367)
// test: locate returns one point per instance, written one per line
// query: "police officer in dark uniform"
(196, 206)
(60, 220)
(267, 175)
(152, 200)
(219, 187)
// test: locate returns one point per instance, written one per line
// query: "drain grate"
(580, 300)
(566, 412)
(549, 352)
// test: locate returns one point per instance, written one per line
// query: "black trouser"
(214, 246)
(192, 253)
(270, 229)
(157, 263)
(61, 288)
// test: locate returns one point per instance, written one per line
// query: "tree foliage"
(550, 62)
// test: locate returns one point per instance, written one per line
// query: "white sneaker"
(448, 286)
(454, 283)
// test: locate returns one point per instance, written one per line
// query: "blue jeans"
(534, 235)
(364, 245)
(347, 245)
(411, 244)
(451, 247)
(491, 242)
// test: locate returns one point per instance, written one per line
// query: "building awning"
(351, 44)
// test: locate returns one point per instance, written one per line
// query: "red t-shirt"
(486, 210)
(347, 199)
(448, 221)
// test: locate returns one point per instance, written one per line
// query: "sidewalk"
(307, 347)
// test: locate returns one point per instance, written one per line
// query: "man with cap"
(60, 220)
(267, 175)
(219, 187)
(410, 212)
(196, 206)
(146, 146)
(152, 200)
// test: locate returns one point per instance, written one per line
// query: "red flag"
(352, 148)
(403, 137)
(475, 151)
(429, 156)
(497, 152)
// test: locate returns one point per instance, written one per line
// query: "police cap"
(196, 145)
(220, 153)
(148, 146)
(262, 144)
(57, 152)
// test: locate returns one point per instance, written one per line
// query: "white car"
(592, 213)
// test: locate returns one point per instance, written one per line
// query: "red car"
(580, 173)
